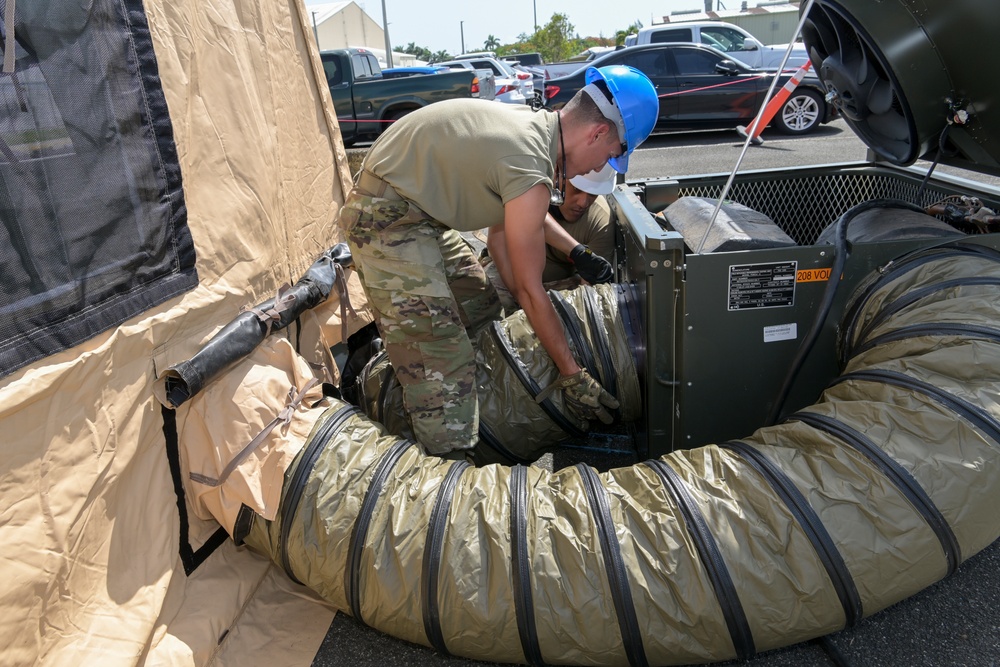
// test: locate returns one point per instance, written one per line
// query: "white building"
(342, 25)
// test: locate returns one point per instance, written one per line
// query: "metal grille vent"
(804, 206)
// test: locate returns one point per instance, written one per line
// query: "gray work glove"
(583, 396)
(592, 268)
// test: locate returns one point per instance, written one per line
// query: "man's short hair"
(584, 107)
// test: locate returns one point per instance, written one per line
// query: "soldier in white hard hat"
(586, 217)
(581, 247)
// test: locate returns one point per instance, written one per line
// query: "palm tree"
(620, 35)
(492, 43)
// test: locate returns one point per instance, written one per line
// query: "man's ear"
(599, 132)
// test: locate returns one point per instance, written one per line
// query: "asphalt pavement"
(953, 623)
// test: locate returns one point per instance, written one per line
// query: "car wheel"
(801, 113)
(394, 116)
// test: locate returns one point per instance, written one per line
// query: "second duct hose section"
(603, 327)
(879, 489)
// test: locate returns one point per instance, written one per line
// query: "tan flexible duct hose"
(881, 488)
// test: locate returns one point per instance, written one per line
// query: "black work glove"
(583, 396)
(592, 268)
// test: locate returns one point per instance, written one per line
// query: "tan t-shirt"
(593, 229)
(460, 161)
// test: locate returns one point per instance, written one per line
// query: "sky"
(440, 24)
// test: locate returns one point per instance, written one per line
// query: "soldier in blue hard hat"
(463, 165)
(627, 97)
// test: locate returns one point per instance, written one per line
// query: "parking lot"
(713, 152)
(954, 622)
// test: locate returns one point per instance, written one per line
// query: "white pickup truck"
(727, 37)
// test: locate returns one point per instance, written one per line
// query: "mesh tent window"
(94, 227)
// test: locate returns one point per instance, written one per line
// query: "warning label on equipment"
(813, 275)
(762, 285)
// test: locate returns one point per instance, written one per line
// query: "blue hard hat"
(634, 102)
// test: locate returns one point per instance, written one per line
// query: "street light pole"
(461, 28)
(388, 44)
(534, 5)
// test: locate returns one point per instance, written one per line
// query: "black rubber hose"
(841, 253)
(241, 336)
(941, 152)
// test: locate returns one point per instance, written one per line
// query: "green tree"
(522, 45)
(438, 56)
(555, 40)
(414, 50)
(491, 43)
(620, 35)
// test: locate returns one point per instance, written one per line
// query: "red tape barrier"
(679, 92)
(718, 85)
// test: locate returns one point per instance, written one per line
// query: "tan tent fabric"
(89, 555)
(223, 423)
(254, 637)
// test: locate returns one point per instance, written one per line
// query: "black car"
(700, 88)
(533, 59)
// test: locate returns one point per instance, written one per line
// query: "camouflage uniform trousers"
(430, 295)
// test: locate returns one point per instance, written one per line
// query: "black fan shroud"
(861, 83)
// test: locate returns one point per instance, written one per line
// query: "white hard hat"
(596, 182)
